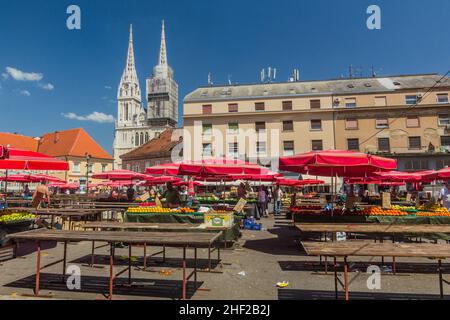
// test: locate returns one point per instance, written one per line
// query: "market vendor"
(42, 193)
(172, 196)
(444, 195)
(242, 192)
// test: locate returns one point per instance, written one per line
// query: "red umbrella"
(20, 178)
(116, 175)
(398, 176)
(443, 174)
(186, 183)
(298, 183)
(65, 185)
(170, 169)
(16, 159)
(368, 180)
(334, 163)
(219, 167)
(150, 180)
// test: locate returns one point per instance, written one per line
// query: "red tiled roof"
(18, 141)
(72, 143)
(158, 147)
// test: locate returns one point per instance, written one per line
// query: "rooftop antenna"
(210, 82)
(374, 72)
(350, 72)
(263, 75)
(274, 74)
(269, 74)
(229, 79)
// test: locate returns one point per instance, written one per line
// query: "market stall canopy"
(443, 174)
(220, 166)
(398, 176)
(266, 176)
(298, 183)
(117, 175)
(170, 169)
(65, 185)
(186, 183)
(332, 163)
(151, 180)
(115, 183)
(16, 159)
(30, 178)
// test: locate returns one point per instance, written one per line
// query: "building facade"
(166, 148)
(137, 124)
(84, 155)
(404, 117)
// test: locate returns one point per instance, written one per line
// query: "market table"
(373, 228)
(69, 214)
(155, 227)
(180, 239)
(347, 249)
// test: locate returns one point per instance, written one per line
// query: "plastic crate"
(257, 227)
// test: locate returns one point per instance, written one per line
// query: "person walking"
(444, 195)
(278, 195)
(261, 204)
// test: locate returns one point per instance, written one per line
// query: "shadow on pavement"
(92, 284)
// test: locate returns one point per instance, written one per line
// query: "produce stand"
(347, 249)
(179, 240)
(13, 221)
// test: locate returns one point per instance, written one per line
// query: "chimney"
(56, 137)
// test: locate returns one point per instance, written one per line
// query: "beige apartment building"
(404, 117)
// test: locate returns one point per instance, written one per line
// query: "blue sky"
(234, 37)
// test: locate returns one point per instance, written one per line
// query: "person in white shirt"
(444, 195)
(278, 195)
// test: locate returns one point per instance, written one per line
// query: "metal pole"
(335, 279)
(6, 189)
(441, 288)
(111, 271)
(64, 262)
(38, 268)
(346, 278)
(184, 273)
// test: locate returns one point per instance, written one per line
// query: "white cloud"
(108, 87)
(95, 116)
(5, 76)
(47, 86)
(25, 93)
(23, 76)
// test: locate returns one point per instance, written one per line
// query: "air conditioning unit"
(419, 96)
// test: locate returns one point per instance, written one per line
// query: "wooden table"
(69, 214)
(176, 239)
(347, 249)
(156, 227)
(369, 228)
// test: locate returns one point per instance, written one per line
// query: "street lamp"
(88, 158)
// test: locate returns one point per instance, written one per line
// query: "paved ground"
(249, 271)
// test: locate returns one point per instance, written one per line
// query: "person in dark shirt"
(130, 193)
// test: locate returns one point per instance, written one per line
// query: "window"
(259, 126)
(233, 150)
(353, 144)
(351, 124)
(380, 101)
(233, 128)
(350, 102)
(261, 147)
(442, 98)
(316, 125)
(382, 123)
(260, 106)
(207, 129)
(287, 105)
(142, 138)
(412, 122)
(148, 164)
(207, 149)
(384, 145)
(128, 166)
(104, 167)
(445, 141)
(157, 163)
(207, 109)
(416, 165)
(288, 125)
(415, 143)
(314, 104)
(76, 167)
(233, 107)
(288, 148)
(136, 140)
(444, 119)
(146, 137)
(317, 145)
(411, 99)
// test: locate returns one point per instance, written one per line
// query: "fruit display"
(377, 211)
(184, 210)
(16, 217)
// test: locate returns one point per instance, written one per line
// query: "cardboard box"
(219, 220)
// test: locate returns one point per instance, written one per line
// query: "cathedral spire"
(129, 84)
(130, 58)
(162, 50)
